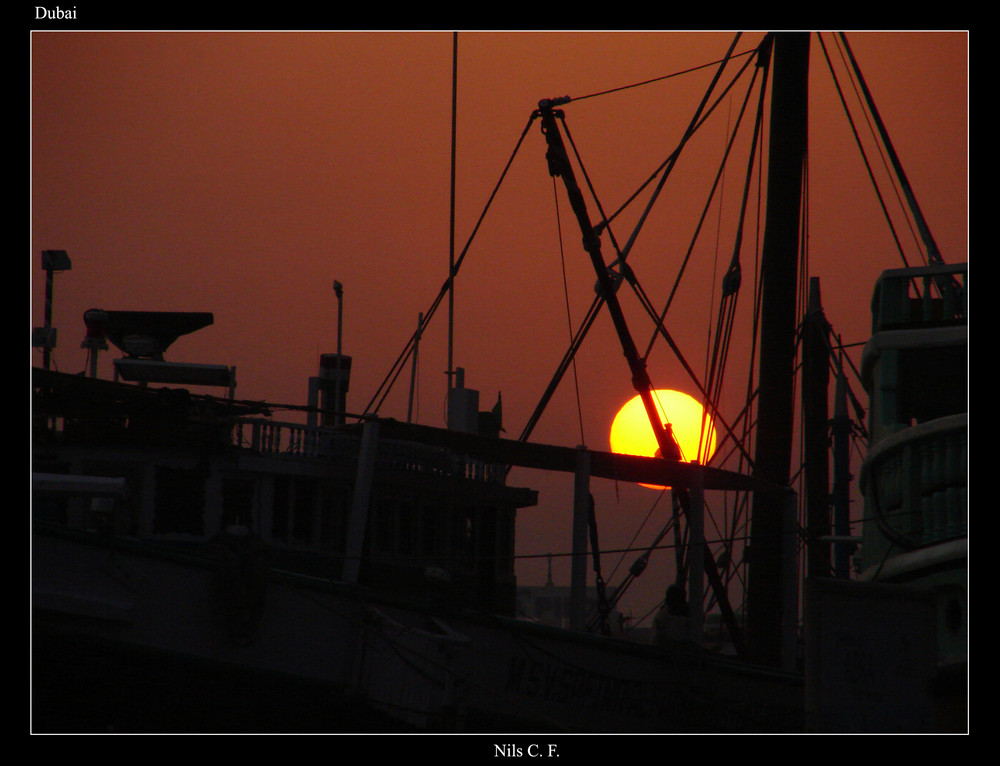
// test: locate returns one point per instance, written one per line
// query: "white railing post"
(581, 511)
(360, 502)
(696, 554)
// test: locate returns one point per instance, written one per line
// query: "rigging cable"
(641, 295)
(741, 511)
(711, 301)
(668, 164)
(838, 366)
(933, 254)
(701, 220)
(864, 156)
(668, 76)
(639, 566)
(397, 366)
(603, 608)
(679, 502)
(732, 279)
(947, 286)
(569, 318)
(635, 535)
(598, 301)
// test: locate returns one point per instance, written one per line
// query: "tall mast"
(766, 607)
(559, 165)
(815, 433)
(451, 227)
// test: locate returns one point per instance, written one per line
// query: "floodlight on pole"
(52, 261)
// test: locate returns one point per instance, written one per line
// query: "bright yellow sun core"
(631, 433)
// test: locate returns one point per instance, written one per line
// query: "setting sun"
(631, 433)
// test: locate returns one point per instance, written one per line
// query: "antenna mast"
(451, 232)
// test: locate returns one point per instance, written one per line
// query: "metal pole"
(776, 409)
(815, 426)
(843, 548)
(47, 350)
(451, 232)
(696, 555)
(559, 165)
(52, 261)
(581, 509)
(338, 415)
(361, 502)
(339, 290)
(413, 370)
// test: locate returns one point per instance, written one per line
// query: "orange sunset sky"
(241, 173)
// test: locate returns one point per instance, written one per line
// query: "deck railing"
(924, 296)
(271, 438)
(915, 482)
(274, 438)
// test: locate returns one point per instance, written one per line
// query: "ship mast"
(770, 612)
(559, 166)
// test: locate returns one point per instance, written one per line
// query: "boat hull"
(130, 636)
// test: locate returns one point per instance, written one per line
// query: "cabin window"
(429, 519)
(126, 519)
(237, 502)
(333, 516)
(383, 520)
(464, 536)
(304, 511)
(487, 543)
(406, 518)
(396, 527)
(294, 510)
(936, 384)
(951, 610)
(280, 508)
(50, 508)
(180, 501)
(505, 542)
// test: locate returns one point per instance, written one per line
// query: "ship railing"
(270, 438)
(407, 456)
(275, 438)
(435, 461)
(479, 470)
(915, 481)
(925, 296)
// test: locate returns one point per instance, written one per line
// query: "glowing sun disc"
(631, 433)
